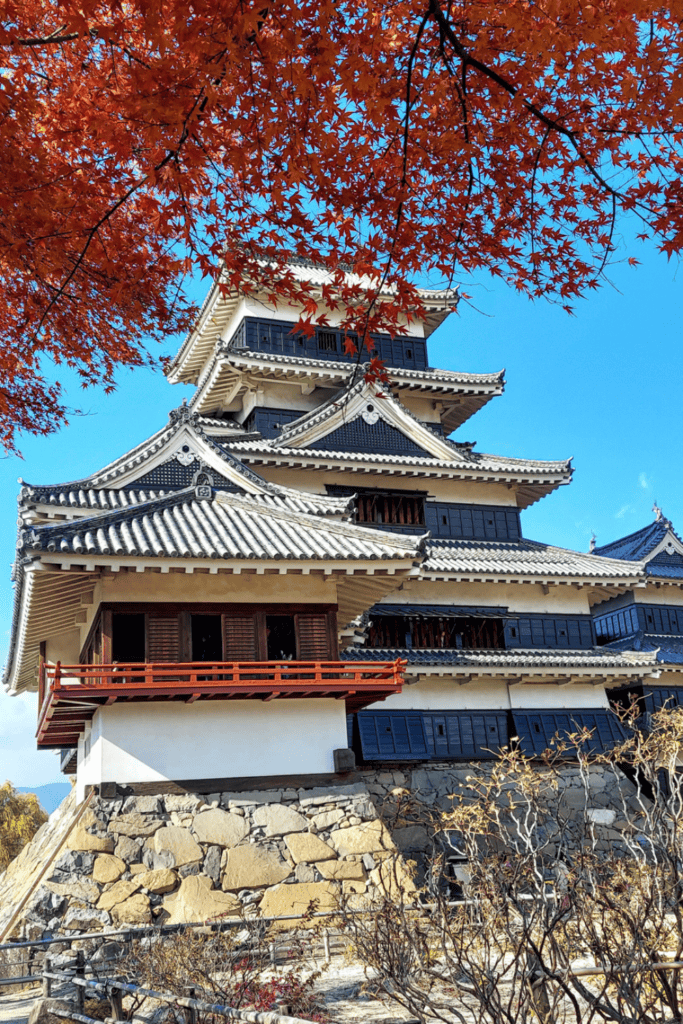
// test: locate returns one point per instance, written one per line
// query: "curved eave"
(197, 348)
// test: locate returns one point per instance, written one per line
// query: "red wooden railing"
(273, 673)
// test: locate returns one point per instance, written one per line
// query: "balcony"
(71, 694)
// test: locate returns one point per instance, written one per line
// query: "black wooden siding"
(378, 438)
(275, 336)
(520, 631)
(478, 522)
(464, 735)
(269, 422)
(431, 735)
(650, 618)
(659, 697)
(536, 730)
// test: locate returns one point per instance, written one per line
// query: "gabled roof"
(667, 648)
(221, 302)
(657, 547)
(523, 559)
(361, 401)
(167, 463)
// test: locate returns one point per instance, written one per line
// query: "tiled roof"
(520, 558)
(599, 657)
(667, 568)
(669, 649)
(638, 545)
(228, 527)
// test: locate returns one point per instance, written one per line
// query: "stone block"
(182, 802)
(197, 901)
(161, 880)
(72, 862)
(135, 910)
(220, 828)
(364, 809)
(108, 868)
(353, 886)
(212, 864)
(252, 867)
(178, 842)
(393, 879)
(135, 824)
(143, 804)
(42, 1011)
(304, 873)
(119, 892)
(331, 794)
(83, 889)
(601, 816)
(414, 837)
(138, 869)
(282, 900)
(84, 841)
(85, 919)
(248, 799)
(370, 837)
(307, 849)
(342, 870)
(279, 820)
(326, 819)
(128, 850)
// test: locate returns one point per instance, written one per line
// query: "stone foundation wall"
(180, 858)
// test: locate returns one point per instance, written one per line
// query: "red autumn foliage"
(143, 140)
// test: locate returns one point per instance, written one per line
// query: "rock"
(195, 868)
(364, 809)
(160, 881)
(270, 796)
(42, 1010)
(328, 818)
(139, 869)
(304, 873)
(45, 903)
(212, 864)
(198, 901)
(369, 862)
(128, 850)
(182, 802)
(135, 910)
(72, 862)
(307, 848)
(602, 816)
(296, 898)
(151, 860)
(143, 805)
(178, 842)
(342, 870)
(119, 892)
(279, 820)
(219, 827)
(85, 919)
(393, 879)
(250, 867)
(91, 820)
(135, 824)
(82, 889)
(350, 886)
(82, 840)
(331, 794)
(108, 868)
(370, 837)
(414, 837)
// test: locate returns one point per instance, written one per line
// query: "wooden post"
(326, 944)
(47, 982)
(80, 973)
(271, 952)
(189, 1012)
(116, 1000)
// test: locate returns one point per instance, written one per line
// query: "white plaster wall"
(518, 597)
(152, 742)
(251, 306)
(546, 695)
(662, 594)
(444, 694)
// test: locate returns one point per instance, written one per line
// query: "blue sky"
(603, 386)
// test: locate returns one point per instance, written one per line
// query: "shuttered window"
(163, 638)
(463, 734)
(536, 729)
(239, 638)
(392, 735)
(658, 697)
(314, 637)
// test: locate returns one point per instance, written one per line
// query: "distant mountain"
(49, 796)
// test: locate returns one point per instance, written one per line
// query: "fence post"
(189, 1012)
(326, 944)
(271, 952)
(116, 1000)
(47, 982)
(80, 973)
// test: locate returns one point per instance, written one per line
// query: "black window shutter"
(314, 637)
(163, 638)
(239, 638)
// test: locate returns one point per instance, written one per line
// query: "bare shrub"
(566, 909)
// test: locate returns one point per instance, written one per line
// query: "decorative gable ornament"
(203, 485)
(370, 414)
(185, 455)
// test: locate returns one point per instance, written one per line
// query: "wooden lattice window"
(394, 631)
(383, 507)
(327, 341)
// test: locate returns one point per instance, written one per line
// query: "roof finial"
(657, 511)
(591, 546)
